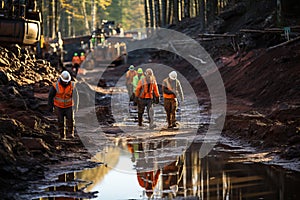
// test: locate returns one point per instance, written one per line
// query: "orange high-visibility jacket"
(63, 97)
(76, 60)
(82, 58)
(145, 92)
(148, 180)
(176, 88)
(129, 76)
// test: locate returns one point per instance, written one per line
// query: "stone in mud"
(34, 144)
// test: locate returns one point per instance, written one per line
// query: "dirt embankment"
(28, 137)
(262, 84)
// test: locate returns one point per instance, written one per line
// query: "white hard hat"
(149, 72)
(173, 75)
(65, 76)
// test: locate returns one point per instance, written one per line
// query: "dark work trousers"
(170, 108)
(65, 120)
(130, 91)
(142, 103)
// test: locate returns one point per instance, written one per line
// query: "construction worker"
(136, 78)
(76, 62)
(129, 78)
(76, 59)
(82, 57)
(61, 97)
(144, 97)
(171, 89)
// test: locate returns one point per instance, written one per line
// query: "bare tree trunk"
(170, 12)
(196, 8)
(157, 13)
(146, 13)
(93, 14)
(181, 9)
(202, 14)
(278, 11)
(175, 12)
(58, 16)
(187, 9)
(151, 13)
(86, 21)
(163, 12)
(53, 19)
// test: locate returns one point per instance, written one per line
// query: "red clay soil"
(266, 78)
(263, 97)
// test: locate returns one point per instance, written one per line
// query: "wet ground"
(138, 163)
(132, 165)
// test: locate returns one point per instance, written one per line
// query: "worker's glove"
(156, 100)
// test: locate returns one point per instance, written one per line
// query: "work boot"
(70, 130)
(61, 130)
(152, 126)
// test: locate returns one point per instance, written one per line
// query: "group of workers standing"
(76, 62)
(143, 90)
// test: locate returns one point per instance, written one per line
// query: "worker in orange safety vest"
(145, 98)
(129, 77)
(63, 96)
(172, 89)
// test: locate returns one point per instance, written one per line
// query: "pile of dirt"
(29, 140)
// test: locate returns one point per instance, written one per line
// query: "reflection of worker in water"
(147, 176)
(171, 177)
(148, 180)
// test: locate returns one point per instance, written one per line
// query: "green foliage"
(129, 13)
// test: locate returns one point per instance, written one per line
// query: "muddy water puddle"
(162, 169)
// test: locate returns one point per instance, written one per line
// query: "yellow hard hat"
(140, 71)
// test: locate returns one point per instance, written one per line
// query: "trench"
(166, 164)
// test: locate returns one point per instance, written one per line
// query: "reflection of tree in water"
(96, 175)
(190, 175)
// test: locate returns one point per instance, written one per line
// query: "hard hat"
(149, 72)
(173, 75)
(75, 54)
(131, 67)
(140, 71)
(65, 76)
(82, 53)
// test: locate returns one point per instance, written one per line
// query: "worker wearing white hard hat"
(147, 91)
(171, 88)
(63, 96)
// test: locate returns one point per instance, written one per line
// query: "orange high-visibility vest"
(76, 60)
(82, 58)
(63, 97)
(144, 92)
(129, 76)
(148, 180)
(167, 84)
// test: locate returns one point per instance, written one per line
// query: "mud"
(263, 103)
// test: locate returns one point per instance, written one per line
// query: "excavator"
(107, 48)
(20, 22)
